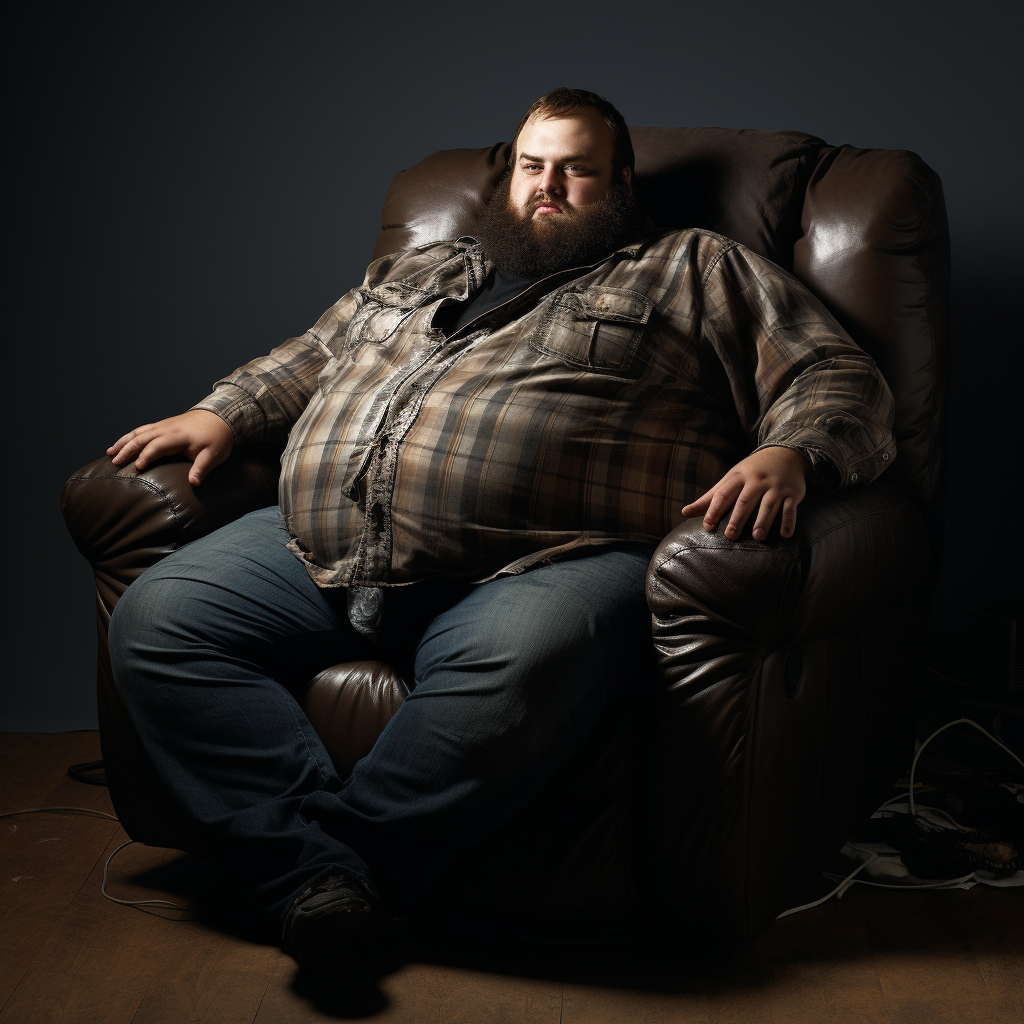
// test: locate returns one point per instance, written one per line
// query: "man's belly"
(478, 471)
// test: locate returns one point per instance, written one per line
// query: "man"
(485, 443)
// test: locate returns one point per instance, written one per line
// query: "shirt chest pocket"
(382, 311)
(597, 329)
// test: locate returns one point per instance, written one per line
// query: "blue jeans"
(210, 646)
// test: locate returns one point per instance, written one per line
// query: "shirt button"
(885, 456)
(853, 476)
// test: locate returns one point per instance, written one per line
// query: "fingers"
(788, 517)
(770, 505)
(157, 448)
(695, 508)
(719, 507)
(771, 502)
(146, 444)
(128, 444)
(715, 502)
(201, 436)
(726, 495)
(771, 481)
(741, 510)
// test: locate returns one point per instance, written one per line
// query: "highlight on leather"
(349, 705)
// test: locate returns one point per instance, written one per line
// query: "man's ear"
(627, 177)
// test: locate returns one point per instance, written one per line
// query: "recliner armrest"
(124, 521)
(781, 663)
(850, 550)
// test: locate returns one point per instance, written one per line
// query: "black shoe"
(322, 927)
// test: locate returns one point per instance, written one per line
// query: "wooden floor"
(67, 954)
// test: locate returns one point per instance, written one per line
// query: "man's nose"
(551, 183)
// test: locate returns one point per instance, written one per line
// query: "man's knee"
(151, 622)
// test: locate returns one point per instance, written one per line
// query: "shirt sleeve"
(796, 377)
(261, 400)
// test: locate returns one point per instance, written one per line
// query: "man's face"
(562, 164)
(559, 206)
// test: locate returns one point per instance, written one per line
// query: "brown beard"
(524, 247)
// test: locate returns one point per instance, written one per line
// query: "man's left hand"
(774, 478)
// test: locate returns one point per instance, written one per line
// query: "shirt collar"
(469, 246)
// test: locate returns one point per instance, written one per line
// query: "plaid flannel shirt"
(589, 416)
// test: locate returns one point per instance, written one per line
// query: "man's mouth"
(546, 206)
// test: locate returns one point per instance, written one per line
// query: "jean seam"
(299, 719)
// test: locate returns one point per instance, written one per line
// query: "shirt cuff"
(237, 409)
(823, 475)
(835, 462)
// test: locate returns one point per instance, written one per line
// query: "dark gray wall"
(196, 182)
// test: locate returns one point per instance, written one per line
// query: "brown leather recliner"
(780, 706)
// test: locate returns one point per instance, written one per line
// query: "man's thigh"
(509, 682)
(237, 596)
(554, 638)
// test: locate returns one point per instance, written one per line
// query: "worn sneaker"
(324, 923)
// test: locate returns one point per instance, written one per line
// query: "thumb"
(207, 459)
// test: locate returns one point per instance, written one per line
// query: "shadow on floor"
(655, 961)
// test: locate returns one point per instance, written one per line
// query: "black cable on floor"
(89, 771)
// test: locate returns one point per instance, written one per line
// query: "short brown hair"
(562, 101)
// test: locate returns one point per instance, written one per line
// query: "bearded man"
(486, 441)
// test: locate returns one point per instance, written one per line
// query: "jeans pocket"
(598, 329)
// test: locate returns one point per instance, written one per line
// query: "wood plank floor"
(69, 955)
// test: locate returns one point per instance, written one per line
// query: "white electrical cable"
(946, 883)
(134, 903)
(837, 891)
(166, 904)
(949, 725)
(901, 799)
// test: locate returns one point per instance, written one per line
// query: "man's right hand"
(202, 436)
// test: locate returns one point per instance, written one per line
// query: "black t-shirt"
(498, 288)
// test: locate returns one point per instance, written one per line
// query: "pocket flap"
(382, 311)
(397, 295)
(616, 305)
(597, 328)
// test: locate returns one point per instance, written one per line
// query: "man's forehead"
(582, 133)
